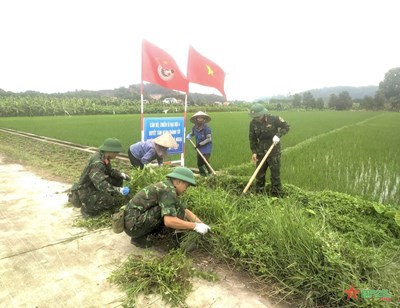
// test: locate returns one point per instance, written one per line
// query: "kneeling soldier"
(158, 205)
(100, 186)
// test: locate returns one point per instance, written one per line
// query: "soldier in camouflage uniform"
(266, 129)
(100, 186)
(158, 205)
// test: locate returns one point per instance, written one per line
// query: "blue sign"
(154, 127)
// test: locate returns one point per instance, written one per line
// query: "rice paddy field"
(351, 152)
(338, 226)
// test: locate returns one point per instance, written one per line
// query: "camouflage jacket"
(162, 194)
(261, 134)
(97, 174)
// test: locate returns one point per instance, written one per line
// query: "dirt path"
(46, 262)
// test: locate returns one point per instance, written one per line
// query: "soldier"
(100, 186)
(265, 130)
(158, 205)
(143, 152)
(202, 132)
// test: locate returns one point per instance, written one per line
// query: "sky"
(265, 47)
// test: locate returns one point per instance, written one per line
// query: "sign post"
(154, 127)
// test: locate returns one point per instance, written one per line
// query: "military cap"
(111, 145)
(257, 110)
(184, 174)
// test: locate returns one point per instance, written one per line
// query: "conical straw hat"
(200, 114)
(166, 140)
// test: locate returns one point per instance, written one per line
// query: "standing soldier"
(100, 186)
(202, 133)
(265, 130)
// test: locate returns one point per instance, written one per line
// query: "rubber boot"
(141, 242)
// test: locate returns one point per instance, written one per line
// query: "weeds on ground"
(313, 245)
(168, 276)
(93, 223)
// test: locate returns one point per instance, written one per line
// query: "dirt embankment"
(46, 262)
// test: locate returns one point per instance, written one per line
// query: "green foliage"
(311, 245)
(168, 276)
(93, 223)
(314, 245)
(390, 86)
(140, 178)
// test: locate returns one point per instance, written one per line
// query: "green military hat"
(184, 174)
(111, 145)
(257, 110)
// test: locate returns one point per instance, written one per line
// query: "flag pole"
(184, 131)
(141, 113)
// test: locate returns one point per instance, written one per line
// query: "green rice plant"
(229, 130)
(358, 160)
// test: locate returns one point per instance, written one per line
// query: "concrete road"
(46, 262)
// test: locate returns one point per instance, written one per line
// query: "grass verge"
(311, 245)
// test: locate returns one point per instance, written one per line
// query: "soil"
(47, 262)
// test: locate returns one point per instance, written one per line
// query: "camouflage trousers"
(139, 224)
(274, 164)
(95, 202)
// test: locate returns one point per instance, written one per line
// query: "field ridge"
(322, 135)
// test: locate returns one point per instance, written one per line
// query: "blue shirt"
(200, 136)
(145, 151)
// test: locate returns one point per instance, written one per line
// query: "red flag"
(204, 71)
(160, 68)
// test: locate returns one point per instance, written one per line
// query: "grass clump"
(312, 245)
(93, 223)
(168, 276)
(141, 178)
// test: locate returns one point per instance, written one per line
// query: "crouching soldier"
(158, 205)
(100, 186)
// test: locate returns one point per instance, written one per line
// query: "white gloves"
(201, 228)
(125, 176)
(276, 140)
(124, 190)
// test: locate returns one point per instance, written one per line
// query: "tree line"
(387, 97)
(127, 101)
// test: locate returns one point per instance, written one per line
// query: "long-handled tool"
(205, 160)
(258, 168)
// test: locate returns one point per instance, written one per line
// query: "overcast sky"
(265, 47)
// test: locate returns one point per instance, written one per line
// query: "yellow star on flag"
(209, 70)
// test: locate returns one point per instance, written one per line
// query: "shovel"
(205, 160)
(258, 168)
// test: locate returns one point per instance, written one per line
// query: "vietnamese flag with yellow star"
(203, 71)
(160, 68)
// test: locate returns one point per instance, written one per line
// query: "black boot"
(141, 242)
